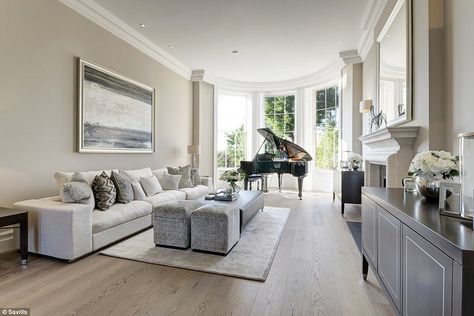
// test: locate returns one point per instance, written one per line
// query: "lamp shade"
(365, 105)
(194, 149)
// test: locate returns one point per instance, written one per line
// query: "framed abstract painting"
(116, 114)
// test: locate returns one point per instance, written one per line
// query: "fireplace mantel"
(391, 147)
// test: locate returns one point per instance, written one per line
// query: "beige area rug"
(251, 258)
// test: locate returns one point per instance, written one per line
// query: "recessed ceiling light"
(341, 42)
(235, 52)
(142, 25)
(170, 46)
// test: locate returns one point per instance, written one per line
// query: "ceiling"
(276, 39)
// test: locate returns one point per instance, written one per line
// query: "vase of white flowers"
(429, 168)
(231, 177)
(354, 161)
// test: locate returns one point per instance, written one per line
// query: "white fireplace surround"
(391, 147)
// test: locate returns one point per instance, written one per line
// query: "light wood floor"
(316, 271)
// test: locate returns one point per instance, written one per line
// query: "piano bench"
(255, 178)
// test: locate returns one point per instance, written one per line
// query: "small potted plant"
(429, 168)
(232, 177)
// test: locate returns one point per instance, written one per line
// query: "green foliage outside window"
(235, 149)
(280, 116)
(327, 131)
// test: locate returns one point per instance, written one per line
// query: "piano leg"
(300, 186)
(265, 183)
(280, 176)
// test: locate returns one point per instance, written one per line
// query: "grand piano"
(280, 156)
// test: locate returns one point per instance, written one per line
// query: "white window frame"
(248, 124)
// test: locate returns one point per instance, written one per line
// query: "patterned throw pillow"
(185, 173)
(123, 187)
(195, 177)
(77, 190)
(104, 191)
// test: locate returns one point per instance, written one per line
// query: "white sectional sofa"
(71, 230)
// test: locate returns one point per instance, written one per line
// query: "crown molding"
(370, 17)
(197, 75)
(350, 57)
(327, 74)
(105, 19)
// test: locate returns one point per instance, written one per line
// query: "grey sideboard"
(423, 261)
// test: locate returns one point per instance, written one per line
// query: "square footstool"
(215, 228)
(172, 223)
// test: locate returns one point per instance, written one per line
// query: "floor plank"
(316, 271)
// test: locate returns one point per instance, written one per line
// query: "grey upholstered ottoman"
(172, 223)
(215, 228)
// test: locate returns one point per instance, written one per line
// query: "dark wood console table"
(11, 217)
(423, 261)
(347, 186)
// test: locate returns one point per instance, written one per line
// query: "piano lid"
(293, 151)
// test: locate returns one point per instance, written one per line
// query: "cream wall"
(459, 21)
(39, 43)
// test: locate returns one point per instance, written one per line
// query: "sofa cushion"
(170, 182)
(104, 192)
(118, 214)
(150, 185)
(134, 176)
(159, 173)
(63, 177)
(196, 192)
(165, 197)
(77, 191)
(195, 177)
(137, 173)
(123, 186)
(185, 173)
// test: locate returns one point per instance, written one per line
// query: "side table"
(11, 217)
(347, 187)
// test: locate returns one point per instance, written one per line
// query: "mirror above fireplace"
(394, 52)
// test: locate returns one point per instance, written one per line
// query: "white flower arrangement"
(434, 165)
(354, 161)
(231, 176)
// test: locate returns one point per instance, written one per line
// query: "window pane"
(279, 105)
(331, 97)
(320, 116)
(231, 131)
(331, 117)
(279, 115)
(289, 120)
(327, 133)
(321, 96)
(269, 108)
(290, 104)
